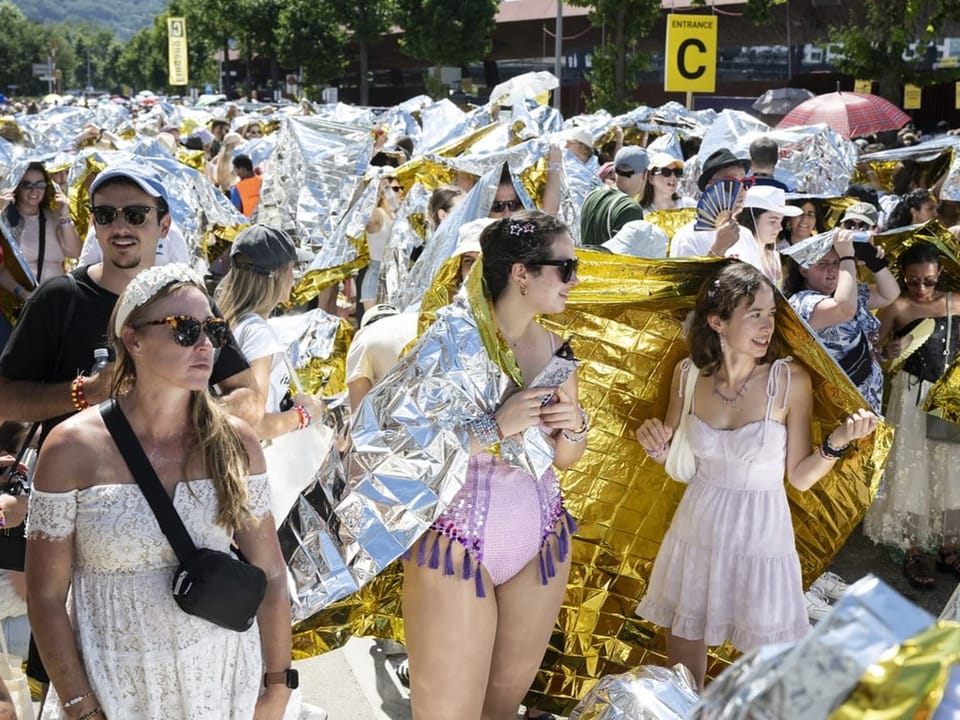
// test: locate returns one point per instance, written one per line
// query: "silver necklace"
(731, 401)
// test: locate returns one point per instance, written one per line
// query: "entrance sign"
(690, 56)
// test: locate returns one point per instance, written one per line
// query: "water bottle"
(861, 236)
(101, 358)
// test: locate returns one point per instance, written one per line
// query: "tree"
(875, 42)
(615, 64)
(364, 21)
(309, 37)
(442, 32)
(21, 45)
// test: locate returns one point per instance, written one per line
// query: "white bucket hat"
(770, 199)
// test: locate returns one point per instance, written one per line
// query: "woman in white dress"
(118, 646)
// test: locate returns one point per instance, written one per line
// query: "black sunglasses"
(917, 282)
(854, 225)
(500, 206)
(567, 267)
(397, 188)
(186, 329)
(133, 214)
(746, 183)
(38, 185)
(667, 172)
(625, 173)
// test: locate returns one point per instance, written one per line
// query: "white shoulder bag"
(681, 464)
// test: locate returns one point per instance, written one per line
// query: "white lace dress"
(144, 656)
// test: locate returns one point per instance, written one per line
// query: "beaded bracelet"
(66, 220)
(486, 430)
(554, 166)
(829, 452)
(77, 395)
(93, 713)
(304, 417)
(581, 434)
(77, 700)
(657, 454)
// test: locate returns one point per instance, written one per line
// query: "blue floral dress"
(849, 343)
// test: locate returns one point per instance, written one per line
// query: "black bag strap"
(42, 242)
(146, 477)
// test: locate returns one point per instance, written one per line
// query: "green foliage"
(442, 32)
(615, 65)
(308, 37)
(878, 34)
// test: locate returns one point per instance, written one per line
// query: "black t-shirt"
(47, 346)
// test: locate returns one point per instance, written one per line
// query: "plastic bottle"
(101, 358)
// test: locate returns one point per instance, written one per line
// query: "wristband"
(66, 220)
(486, 430)
(848, 257)
(304, 418)
(77, 700)
(77, 395)
(554, 166)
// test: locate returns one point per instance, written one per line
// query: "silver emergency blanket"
(814, 676)
(951, 611)
(409, 457)
(647, 693)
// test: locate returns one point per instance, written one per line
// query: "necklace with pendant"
(732, 401)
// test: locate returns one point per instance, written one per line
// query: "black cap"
(719, 159)
(264, 250)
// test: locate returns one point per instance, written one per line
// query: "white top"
(144, 656)
(257, 340)
(688, 242)
(170, 249)
(683, 202)
(376, 348)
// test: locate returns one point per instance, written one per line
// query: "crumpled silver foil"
(405, 236)
(814, 676)
(409, 459)
(808, 251)
(315, 171)
(56, 129)
(647, 693)
(951, 611)
(816, 157)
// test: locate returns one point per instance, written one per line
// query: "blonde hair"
(243, 291)
(215, 440)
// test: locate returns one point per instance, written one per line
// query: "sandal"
(949, 562)
(915, 572)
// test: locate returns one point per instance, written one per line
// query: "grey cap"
(264, 250)
(633, 157)
(862, 211)
(141, 174)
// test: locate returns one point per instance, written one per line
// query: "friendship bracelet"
(486, 430)
(77, 700)
(77, 395)
(304, 417)
(581, 434)
(829, 452)
(657, 454)
(93, 713)
(554, 166)
(66, 220)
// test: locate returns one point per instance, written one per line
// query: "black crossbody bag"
(210, 584)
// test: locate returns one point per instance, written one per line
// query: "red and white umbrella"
(850, 114)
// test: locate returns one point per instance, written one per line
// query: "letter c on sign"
(681, 58)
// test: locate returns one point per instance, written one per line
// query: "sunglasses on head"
(567, 267)
(917, 282)
(854, 225)
(38, 185)
(667, 172)
(186, 329)
(500, 206)
(133, 214)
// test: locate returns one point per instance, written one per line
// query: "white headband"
(147, 284)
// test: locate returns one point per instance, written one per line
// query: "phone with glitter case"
(559, 368)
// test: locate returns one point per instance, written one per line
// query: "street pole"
(558, 55)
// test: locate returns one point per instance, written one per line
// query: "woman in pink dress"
(728, 568)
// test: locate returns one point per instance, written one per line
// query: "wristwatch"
(288, 677)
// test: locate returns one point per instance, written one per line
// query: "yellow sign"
(864, 87)
(911, 97)
(177, 50)
(690, 57)
(956, 95)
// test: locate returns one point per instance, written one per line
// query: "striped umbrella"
(850, 114)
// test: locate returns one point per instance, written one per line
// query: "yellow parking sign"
(690, 57)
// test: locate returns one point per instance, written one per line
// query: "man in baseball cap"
(264, 250)
(631, 163)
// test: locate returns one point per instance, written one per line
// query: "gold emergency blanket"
(625, 322)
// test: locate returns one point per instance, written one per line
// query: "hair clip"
(712, 292)
(526, 228)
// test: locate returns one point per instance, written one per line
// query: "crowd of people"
(204, 380)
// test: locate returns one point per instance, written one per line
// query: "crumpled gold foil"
(911, 682)
(625, 319)
(317, 344)
(671, 220)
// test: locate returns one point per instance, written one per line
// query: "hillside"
(123, 17)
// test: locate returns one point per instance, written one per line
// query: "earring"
(523, 289)
(723, 345)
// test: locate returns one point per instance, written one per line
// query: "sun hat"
(664, 159)
(716, 161)
(770, 199)
(468, 237)
(580, 135)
